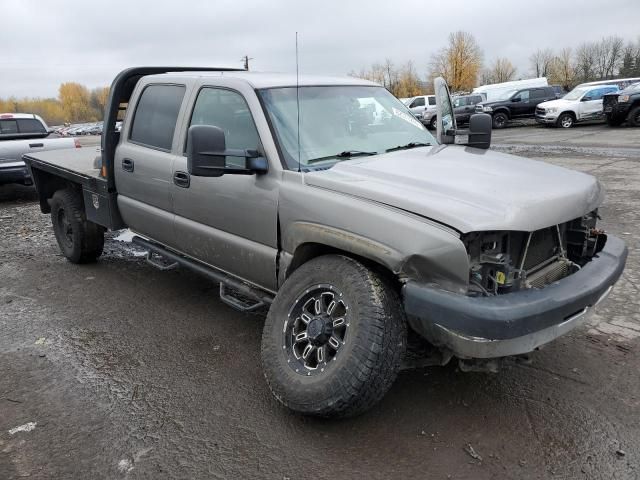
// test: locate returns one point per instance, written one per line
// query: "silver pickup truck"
(326, 200)
(22, 133)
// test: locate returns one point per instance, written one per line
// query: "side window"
(156, 114)
(30, 125)
(229, 111)
(523, 95)
(418, 102)
(432, 100)
(477, 100)
(541, 93)
(8, 126)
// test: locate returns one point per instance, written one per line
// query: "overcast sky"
(48, 42)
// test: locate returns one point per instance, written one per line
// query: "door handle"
(182, 179)
(127, 165)
(36, 145)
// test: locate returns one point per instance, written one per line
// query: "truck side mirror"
(202, 142)
(479, 131)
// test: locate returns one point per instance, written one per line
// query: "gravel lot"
(117, 370)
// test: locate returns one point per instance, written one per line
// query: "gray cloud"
(46, 43)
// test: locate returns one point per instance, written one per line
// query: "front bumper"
(547, 119)
(518, 322)
(14, 172)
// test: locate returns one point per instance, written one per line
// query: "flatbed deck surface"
(78, 161)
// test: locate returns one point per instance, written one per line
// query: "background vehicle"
(497, 91)
(515, 104)
(579, 105)
(464, 106)
(421, 105)
(22, 133)
(623, 106)
(621, 83)
(359, 230)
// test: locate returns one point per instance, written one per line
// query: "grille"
(540, 111)
(541, 247)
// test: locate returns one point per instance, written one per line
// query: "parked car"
(623, 106)
(464, 106)
(351, 240)
(22, 133)
(421, 104)
(579, 105)
(516, 104)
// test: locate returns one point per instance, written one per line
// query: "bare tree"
(459, 62)
(541, 61)
(563, 70)
(502, 70)
(586, 61)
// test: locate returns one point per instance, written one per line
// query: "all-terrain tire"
(367, 362)
(500, 120)
(614, 121)
(433, 123)
(634, 116)
(80, 240)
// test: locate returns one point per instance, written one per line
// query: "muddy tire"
(565, 120)
(80, 240)
(334, 338)
(500, 120)
(634, 117)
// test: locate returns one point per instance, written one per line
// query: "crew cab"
(423, 107)
(358, 230)
(22, 133)
(623, 106)
(516, 104)
(579, 105)
(464, 106)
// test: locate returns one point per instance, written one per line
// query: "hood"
(559, 103)
(466, 188)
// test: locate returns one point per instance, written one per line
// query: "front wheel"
(634, 116)
(565, 120)
(500, 120)
(334, 338)
(433, 123)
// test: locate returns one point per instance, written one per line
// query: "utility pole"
(246, 59)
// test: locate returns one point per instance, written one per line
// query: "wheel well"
(309, 251)
(48, 184)
(569, 112)
(503, 110)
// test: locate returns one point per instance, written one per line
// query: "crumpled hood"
(466, 188)
(559, 103)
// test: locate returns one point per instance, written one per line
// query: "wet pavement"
(117, 370)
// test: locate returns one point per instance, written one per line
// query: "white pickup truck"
(579, 105)
(22, 133)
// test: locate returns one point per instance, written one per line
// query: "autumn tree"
(563, 70)
(408, 82)
(98, 99)
(75, 100)
(459, 63)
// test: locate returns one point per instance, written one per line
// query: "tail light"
(76, 142)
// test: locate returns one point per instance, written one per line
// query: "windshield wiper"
(345, 154)
(408, 146)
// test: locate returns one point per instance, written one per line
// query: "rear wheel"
(80, 240)
(634, 116)
(565, 120)
(613, 121)
(334, 338)
(500, 120)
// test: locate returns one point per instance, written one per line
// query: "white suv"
(421, 105)
(580, 104)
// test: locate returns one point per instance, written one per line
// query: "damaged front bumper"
(513, 323)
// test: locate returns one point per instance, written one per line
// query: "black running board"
(259, 297)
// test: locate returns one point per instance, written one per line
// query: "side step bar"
(227, 282)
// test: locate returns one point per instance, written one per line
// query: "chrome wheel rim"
(316, 329)
(566, 122)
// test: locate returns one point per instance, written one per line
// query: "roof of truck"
(270, 80)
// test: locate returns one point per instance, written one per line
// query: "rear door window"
(156, 114)
(30, 125)
(432, 100)
(8, 126)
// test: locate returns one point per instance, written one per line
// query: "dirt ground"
(117, 370)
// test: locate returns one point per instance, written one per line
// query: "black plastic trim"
(519, 313)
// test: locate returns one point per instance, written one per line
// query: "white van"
(495, 91)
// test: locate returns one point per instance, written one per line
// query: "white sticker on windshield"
(406, 117)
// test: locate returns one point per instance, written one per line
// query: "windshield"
(507, 95)
(340, 122)
(576, 93)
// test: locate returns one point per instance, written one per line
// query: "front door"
(522, 107)
(229, 222)
(144, 162)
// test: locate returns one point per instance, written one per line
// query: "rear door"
(229, 222)
(144, 160)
